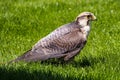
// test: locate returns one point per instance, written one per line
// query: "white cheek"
(83, 22)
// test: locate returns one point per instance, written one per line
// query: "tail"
(21, 58)
(32, 56)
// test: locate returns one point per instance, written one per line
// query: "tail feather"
(31, 56)
(20, 58)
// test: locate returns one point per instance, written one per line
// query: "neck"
(85, 27)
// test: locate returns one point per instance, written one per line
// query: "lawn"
(24, 22)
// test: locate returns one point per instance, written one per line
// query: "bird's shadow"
(24, 74)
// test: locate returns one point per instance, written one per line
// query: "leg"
(71, 54)
(74, 52)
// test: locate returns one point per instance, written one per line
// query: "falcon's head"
(85, 18)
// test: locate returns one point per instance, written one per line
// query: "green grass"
(24, 22)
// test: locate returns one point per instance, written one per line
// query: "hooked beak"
(94, 18)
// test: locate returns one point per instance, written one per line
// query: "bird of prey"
(64, 42)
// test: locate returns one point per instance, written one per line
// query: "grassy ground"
(24, 22)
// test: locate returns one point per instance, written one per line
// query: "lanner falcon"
(65, 42)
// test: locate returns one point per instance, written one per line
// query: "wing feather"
(61, 40)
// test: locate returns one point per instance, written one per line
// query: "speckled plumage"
(66, 41)
(60, 40)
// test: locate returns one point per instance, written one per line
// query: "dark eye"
(89, 16)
